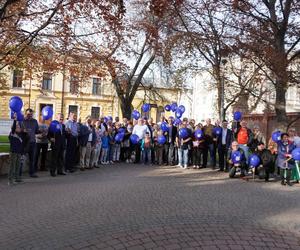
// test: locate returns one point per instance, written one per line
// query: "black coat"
(173, 135)
(59, 137)
(266, 158)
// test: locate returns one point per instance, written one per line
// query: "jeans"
(171, 154)
(31, 156)
(44, 148)
(146, 155)
(183, 156)
(95, 155)
(116, 152)
(212, 154)
(246, 151)
(104, 154)
(197, 154)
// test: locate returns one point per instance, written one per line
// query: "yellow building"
(97, 96)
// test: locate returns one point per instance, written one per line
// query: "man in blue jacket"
(223, 144)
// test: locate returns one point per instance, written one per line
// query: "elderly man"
(72, 128)
(211, 145)
(140, 130)
(87, 139)
(244, 137)
(32, 128)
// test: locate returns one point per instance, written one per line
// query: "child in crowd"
(111, 140)
(146, 148)
(18, 139)
(98, 144)
(159, 148)
(105, 146)
(117, 145)
(126, 143)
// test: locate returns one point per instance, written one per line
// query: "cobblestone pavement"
(143, 207)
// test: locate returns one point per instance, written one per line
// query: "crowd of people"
(81, 145)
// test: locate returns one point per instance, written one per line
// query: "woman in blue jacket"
(284, 160)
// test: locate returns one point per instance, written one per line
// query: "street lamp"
(222, 111)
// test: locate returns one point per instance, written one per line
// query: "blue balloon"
(136, 114)
(178, 113)
(174, 106)
(181, 108)
(15, 104)
(177, 122)
(134, 139)
(119, 137)
(198, 133)
(121, 130)
(47, 113)
(217, 131)
(254, 161)
(168, 107)
(105, 119)
(164, 126)
(20, 116)
(146, 107)
(276, 136)
(236, 157)
(237, 115)
(296, 154)
(54, 126)
(183, 133)
(109, 118)
(161, 139)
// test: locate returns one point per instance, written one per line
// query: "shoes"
(82, 169)
(185, 167)
(19, 181)
(33, 176)
(194, 167)
(97, 166)
(289, 184)
(220, 170)
(53, 174)
(10, 183)
(111, 162)
(61, 173)
(283, 183)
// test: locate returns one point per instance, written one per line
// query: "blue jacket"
(282, 151)
(105, 142)
(84, 133)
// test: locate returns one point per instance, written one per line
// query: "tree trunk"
(280, 103)
(126, 107)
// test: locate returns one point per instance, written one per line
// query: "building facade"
(95, 96)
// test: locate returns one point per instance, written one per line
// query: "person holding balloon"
(211, 144)
(236, 159)
(140, 130)
(284, 160)
(182, 142)
(32, 127)
(146, 146)
(18, 139)
(170, 144)
(41, 145)
(57, 138)
(198, 146)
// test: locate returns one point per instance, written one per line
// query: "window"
(96, 86)
(74, 84)
(17, 78)
(95, 113)
(73, 109)
(47, 81)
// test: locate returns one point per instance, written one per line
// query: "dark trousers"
(138, 152)
(222, 151)
(44, 148)
(31, 157)
(57, 159)
(285, 175)
(159, 152)
(171, 154)
(212, 153)
(70, 153)
(197, 155)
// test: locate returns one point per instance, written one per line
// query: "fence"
(267, 122)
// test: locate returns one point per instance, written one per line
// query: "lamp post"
(222, 113)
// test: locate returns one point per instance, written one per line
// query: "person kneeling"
(236, 159)
(266, 161)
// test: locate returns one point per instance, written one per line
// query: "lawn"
(4, 148)
(4, 139)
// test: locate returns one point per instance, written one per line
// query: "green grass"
(4, 148)
(4, 138)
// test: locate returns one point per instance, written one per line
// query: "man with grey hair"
(140, 130)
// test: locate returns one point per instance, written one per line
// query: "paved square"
(142, 207)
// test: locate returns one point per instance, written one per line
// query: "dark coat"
(282, 151)
(173, 135)
(266, 158)
(59, 137)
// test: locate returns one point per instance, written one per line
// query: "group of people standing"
(92, 143)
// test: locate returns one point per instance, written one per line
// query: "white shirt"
(140, 131)
(224, 133)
